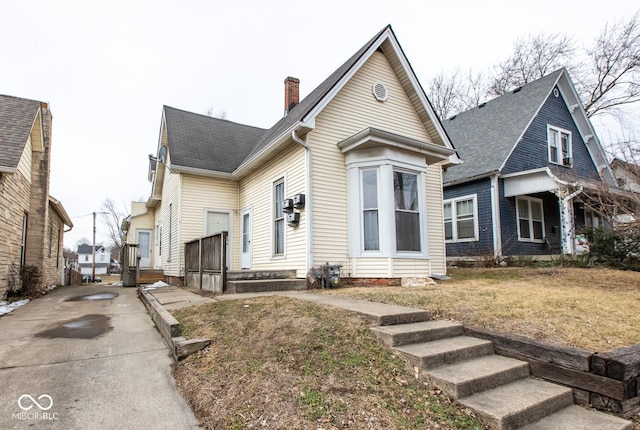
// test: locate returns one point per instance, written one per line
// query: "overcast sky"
(106, 68)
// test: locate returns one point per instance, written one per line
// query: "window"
(559, 146)
(460, 219)
(159, 239)
(278, 217)
(86, 258)
(590, 219)
(170, 228)
(405, 190)
(103, 258)
(371, 229)
(530, 219)
(23, 242)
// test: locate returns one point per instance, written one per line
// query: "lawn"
(597, 309)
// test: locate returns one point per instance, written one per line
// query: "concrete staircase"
(259, 281)
(497, 388)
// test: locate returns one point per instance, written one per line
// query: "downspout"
(566, 219)
(495, 213)
(309, 200)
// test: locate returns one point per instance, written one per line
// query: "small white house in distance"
(85, 259)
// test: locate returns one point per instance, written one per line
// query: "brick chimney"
(291, 93)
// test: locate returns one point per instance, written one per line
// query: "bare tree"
(220, 114)
(606, 75)
(113, 220)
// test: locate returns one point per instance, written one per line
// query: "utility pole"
(93, 250)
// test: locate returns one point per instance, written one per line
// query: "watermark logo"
(34, 401)
(35, 409)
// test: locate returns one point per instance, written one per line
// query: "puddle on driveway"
(84, 327)
(91, 297)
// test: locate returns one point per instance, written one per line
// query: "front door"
(144, 240)
(245, 256)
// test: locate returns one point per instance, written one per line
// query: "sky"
(106, 68)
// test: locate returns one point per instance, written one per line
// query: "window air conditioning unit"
(566, 161)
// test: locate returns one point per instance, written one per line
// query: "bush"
(619, 248)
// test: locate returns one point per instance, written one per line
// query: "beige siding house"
(33, 222)
(362, 154)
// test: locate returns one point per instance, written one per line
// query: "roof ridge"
(20, 98)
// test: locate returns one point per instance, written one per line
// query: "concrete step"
(478, 374)
(426, 331)
(519, 403)
(259, 286)
(577, 418)
(246, 275)
(428, 355)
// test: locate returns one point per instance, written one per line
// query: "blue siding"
(484, 244)
(532, 151)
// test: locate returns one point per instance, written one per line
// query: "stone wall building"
(33, 222)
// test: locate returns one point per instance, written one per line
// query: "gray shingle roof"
(202, 142)
(484, 136)
(16, 119)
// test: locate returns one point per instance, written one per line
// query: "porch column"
(567, 226)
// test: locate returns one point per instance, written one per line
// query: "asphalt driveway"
(87, 357)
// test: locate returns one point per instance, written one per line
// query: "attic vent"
(556, 93)
(515, 90)
(380, 91)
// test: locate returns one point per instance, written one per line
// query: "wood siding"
(351, 111)
(26, 160)
(256, 192)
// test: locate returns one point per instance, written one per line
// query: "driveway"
(87, 357)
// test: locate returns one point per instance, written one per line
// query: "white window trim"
(376, 252)
(454, 217)
(274, 256)
(560, 162)
(386, 162)
(529, 199)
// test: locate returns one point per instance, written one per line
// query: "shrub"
(619, 248)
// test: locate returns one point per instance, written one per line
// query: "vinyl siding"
(532, 150)
(484, 244)
(256, 192)
(353, 109)
(435, 219)
(200, 194)
(141, 218)
(26, 160)
(171, 195)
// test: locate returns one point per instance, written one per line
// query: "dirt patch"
(276, 362)
(84, 327)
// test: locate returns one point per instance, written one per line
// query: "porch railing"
(205, 262)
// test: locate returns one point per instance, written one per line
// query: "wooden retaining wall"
(607, 381)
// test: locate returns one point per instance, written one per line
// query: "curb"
(170, 329)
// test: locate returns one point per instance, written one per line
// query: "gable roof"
(485, 135)
(205, 143)
(16, 121)
(86, 249)
(303, 114)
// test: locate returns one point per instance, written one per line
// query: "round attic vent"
(556, 93)
(380, 91)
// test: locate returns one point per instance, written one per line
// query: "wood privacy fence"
(205, 262)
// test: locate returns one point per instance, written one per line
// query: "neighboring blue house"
(526, 156)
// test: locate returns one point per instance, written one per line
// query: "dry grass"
(597, 309)
(280, 363)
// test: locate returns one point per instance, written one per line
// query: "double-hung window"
(370, 223)
(559, 142)
(530, 219)
(405, 190)
(460, 219)
(278, 217)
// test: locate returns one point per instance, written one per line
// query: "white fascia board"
(200, 172)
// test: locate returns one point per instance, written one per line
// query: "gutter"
(309, 202)
(471, 178)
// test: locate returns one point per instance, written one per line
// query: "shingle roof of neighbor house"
(202, 142)
(16, 120)
(485, 135)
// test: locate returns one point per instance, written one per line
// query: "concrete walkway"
(87, 357)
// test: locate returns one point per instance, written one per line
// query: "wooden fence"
(205, 262)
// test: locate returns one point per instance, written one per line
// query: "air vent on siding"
(380, 91)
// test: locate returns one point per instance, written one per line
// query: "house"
(528, 157)
(351, 175)
(33, 222)
(86, 259)
(627, 175)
